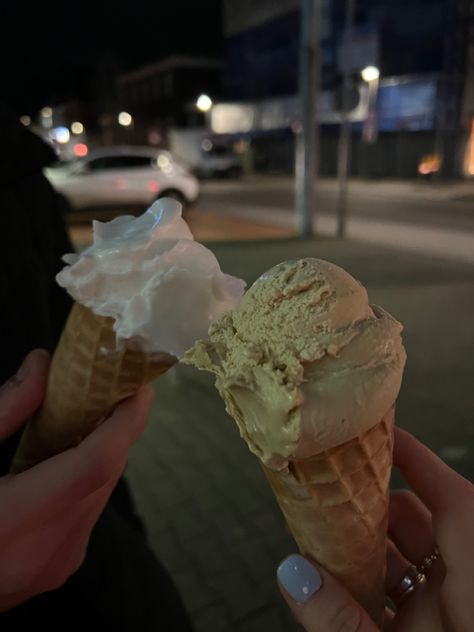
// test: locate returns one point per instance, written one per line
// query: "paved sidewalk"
(436, 190)
(205, 227)
(211, 517)
(457, 245)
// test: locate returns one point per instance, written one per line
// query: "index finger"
(71, 476)
(440, 487)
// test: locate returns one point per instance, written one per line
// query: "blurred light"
(25, 119)
(204, 103)
(469, 160)
(81, 150)
(46, 112)
(61, 134)
(228, 118)
(431, 163)
(153, 186)
(163, 161)
(125, 119)
(370, 73)
(241, 146)
(77, 128)
(206, 144)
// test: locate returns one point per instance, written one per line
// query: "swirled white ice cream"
(162, 288)
(303, 363)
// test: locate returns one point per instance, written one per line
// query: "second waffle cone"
(88, 377)
(336, 506)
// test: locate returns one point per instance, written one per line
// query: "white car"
(123, 176)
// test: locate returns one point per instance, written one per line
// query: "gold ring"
(413, 578)
(428, 561)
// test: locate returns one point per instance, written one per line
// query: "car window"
(118, 162)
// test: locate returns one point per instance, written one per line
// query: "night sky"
(50, 51)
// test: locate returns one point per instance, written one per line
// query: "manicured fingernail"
(299, 578)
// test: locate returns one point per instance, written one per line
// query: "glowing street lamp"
(370, 73)
(77, 128)
(204, 103)
(46, 114)
(125, 119)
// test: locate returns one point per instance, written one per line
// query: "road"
(420, 204)
(435, 219)
(423, 218)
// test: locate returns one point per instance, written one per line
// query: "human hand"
(47, 513)
(439, 515)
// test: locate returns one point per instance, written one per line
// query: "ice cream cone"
(336, 506)
(88, 377)
(308, 369)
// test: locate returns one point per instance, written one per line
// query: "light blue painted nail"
(299, 578)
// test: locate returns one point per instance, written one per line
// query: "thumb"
(318, 601)
(22, 394)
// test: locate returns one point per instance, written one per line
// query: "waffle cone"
(336, 505)
(88, 377)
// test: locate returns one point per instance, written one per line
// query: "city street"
(419, 203)
(420, 217)
(431, 218)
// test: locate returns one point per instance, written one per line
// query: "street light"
(370, 73)
(125, 119)
(77, 127)
(204, 103)
(46, 114)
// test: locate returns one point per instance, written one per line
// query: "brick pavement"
(211, 518)
(210, 515)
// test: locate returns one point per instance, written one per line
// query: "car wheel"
(175, 195)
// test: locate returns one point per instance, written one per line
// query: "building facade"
(420, 47)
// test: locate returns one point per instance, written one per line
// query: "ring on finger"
(428, 561)
(412, 578)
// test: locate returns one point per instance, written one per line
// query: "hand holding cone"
(88, 377)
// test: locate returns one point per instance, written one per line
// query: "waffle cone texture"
(336, 506)
(88, 377)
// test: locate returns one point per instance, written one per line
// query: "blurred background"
(151, 97)
(341, 129)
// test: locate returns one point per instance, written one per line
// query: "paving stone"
(269, 620)
(195, 591)
(213, 619)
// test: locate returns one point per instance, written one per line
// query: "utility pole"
(307, 140)
(344, 147)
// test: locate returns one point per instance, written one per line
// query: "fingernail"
(299, 578)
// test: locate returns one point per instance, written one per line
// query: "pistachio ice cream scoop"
(303, 363)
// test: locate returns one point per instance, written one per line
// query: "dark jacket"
(121, 586)
(33, 308)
